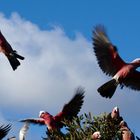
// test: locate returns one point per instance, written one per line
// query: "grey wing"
(107, 55)
(38, 121)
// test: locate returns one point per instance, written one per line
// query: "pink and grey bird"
(11, 54)
(96, 136)
(114, 116)
(70, 110)
(126, 133)
(109, 60)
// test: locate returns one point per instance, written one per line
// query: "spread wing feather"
(38, 121)
(4, 130)
(72, 108)
(107, 55)
(133, 81)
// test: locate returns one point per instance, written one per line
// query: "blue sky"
(55, 38)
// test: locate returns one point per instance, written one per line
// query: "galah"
(11, 54)
(126, 132)
(114, 116)
(70, 110)
(109, 60)
(4, 130)
(96, 135)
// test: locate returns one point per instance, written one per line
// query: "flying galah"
(96, 136)
(109, 60)
(126, 132)
(70, 110)
(4, 130)
(11, 54)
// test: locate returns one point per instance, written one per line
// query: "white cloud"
(54, 66)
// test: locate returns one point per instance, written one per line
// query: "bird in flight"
(4, 130)
(69, 111)
(11, 54)
(109, 60)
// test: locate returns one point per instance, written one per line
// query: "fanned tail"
(18, 56)
(108, 89)
(13, 59)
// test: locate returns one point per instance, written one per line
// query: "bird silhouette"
(4, 130)
(11, 54)
(109, 60)
(69, 111)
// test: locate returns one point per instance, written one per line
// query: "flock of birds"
(109, 60)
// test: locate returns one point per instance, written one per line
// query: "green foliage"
(82, 128)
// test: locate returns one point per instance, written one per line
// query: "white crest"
(41, 113)
(116, 109)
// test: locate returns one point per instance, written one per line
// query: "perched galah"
(126, 132)
(124, 74)
(4, 130)
(70, 110)
(115, 116)
(11, 54)
(96, 136)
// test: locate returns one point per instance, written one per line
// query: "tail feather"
(13, 62)
(13, 59)
(108, 89)
(18, 56)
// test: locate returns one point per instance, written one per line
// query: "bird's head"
(43, 114)
(115, 112)
(123, 124)
(96, 135)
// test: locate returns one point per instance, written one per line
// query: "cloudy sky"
(55, 39)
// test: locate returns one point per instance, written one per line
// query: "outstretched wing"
(72, 108)
(133, 81)
(23, 131)
(4, 130)
(38, 121)
(107, 55)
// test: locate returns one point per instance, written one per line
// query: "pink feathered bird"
(70, 110)
(11, 54)
(109, 60)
